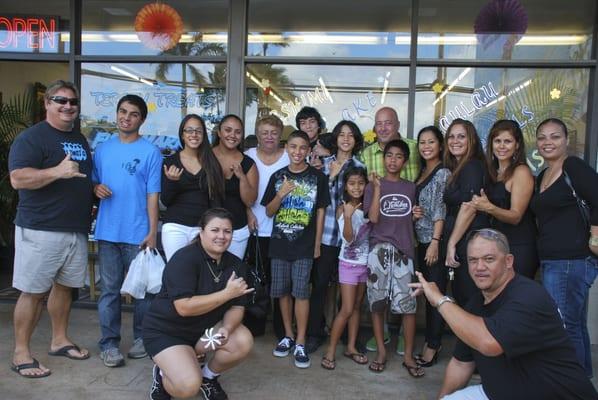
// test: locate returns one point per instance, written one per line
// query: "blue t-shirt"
(131, 171)
(65, 204)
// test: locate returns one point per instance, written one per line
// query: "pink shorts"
(352, 274)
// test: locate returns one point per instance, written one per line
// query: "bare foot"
(34, 368)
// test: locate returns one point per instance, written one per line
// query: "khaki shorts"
(44, 257)
(389, 274)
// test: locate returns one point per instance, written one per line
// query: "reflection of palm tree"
(278, 81)
(194, 48)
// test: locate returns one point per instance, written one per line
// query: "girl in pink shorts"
(352, 266)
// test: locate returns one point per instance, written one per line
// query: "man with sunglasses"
(126, 175)
(50, 165)
(511, 332)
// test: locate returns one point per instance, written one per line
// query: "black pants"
(526, 261)
(264, 244)
(436, 273)
(321, 274)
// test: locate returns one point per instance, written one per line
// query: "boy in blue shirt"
(296, 196)
(126, 177)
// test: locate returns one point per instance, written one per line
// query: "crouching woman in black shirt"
(199, 309)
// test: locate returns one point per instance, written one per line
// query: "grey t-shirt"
(395, 225)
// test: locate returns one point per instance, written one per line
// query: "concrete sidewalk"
(262, 376)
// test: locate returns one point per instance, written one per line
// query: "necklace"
(548, 178)
(214, 276)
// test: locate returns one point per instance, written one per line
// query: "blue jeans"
(569, 282)
(114, 259)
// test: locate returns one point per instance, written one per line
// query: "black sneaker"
(283, 348)
(313, 343)
(211, 390)
(301, 357)
(157, 391)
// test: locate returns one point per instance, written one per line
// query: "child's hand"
(349, 209)
(317, 252)
(286, 187)
(418, 212)
(375, 179)
(237, 170)
(335, 169)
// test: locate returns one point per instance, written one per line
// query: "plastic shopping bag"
(154, 269)
(135, 282)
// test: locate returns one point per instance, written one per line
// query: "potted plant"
(17, 114)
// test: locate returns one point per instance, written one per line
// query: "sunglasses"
(63, 100)
(490, 234)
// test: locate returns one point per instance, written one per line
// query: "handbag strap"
(581, 203)
(259, 267)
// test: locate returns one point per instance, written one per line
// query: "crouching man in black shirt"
(511, 331)
(199, 309)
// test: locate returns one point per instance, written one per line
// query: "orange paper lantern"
(159, 26)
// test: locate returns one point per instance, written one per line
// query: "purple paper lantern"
(501, 18)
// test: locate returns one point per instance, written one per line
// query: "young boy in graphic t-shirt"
(296, 196)
(389, 202)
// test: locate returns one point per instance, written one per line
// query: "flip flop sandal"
(35, 364)
(64, 352)
(358, 358)
(377, 367)
(414, 371)
(328, 363)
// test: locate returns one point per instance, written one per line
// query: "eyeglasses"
(191, 131)
(490, 234)
(63, 100)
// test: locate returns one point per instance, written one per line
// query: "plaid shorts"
(291, 277)
(389, 274)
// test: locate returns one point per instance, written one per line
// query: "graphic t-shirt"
(131, 171)
(355, 251)
(395, 223)
(65, 204)
(294, 226)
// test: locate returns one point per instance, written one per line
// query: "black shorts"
(156, 342)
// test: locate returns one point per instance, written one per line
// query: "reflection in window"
(34, 26)
(483, 95)
(347, 28)
(494, 29)
(338, 92)
(171, 91)
(133, 27)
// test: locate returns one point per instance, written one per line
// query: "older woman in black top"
(509, 193)
(464, 157)
(567, 242)
(241, 178)
(192, 182)
(199, 309)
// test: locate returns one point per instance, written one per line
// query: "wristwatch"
(445, 299)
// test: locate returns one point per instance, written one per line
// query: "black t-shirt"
(539, 361)
(294, 226)
(187, 275)
(188, 198)
(562, 234)
(232, 195)
(470, 181)
(65, 204)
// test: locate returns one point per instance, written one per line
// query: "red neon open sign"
(30, 32)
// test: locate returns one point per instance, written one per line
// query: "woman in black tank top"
(509, 194)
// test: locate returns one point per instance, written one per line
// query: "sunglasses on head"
(63, 100)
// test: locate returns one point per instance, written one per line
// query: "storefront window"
(483, 95)
(338, 92)
(336, 28)
(506, 30)
(136, 27)
(38, 26)
(170, 90)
